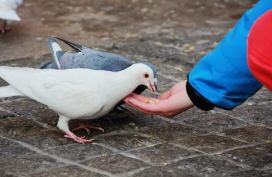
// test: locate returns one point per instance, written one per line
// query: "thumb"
(164, 96)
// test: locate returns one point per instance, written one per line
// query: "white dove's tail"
(55, 50)
(8, 91)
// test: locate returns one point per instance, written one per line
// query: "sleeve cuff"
(198, 100)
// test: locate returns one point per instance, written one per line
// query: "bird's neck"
(129, 79)
(124, 82)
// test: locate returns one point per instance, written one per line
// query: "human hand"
(169, 104)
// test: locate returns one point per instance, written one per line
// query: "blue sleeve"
(222, 77)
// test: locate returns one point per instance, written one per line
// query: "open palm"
(168, 104)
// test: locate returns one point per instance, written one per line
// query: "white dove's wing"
(72, 93)
(17, 77)
(8, 9)
(13, 4)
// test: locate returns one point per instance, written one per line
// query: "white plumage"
(8, 12)
(75, 93)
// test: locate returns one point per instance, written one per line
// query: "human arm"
(222, 78)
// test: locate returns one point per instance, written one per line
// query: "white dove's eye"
(146, 75)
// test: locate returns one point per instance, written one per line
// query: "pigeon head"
(145, 75)
(154, 69)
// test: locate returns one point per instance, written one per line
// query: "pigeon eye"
(146, 75)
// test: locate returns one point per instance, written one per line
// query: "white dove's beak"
(153, 86)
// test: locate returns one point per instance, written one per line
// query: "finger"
(139, 97)
(127, 99)
(143, 98)
(139, 108)
(145, 107)
(164, 96)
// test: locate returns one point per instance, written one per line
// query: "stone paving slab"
(163, 154)
(116, 164)
(11, 149)
(27, 163)
(172, 131)
(163, 172)
(20, 128)
(211, 143)
(79, 153)
(258, 156)
(251, 173)
(252, 113)
(71, 171)
(215, 122)
(207, 166)
(171, 34)
(252, 134)
(124, 141)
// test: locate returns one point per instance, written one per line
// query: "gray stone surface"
(207, 166)
(171, 34)
(251, 173)
(71, 171)
(163, 172)
(257, 156)
(116, 163)
(163, 154)
(211, 143)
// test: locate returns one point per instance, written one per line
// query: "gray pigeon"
(91, 59)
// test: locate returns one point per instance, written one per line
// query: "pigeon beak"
(152, 87)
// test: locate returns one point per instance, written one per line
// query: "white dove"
(8, 12)
(76, 93)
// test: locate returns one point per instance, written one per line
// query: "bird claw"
(80, 127)
(77, 139)
(86, 127)
(3, 29)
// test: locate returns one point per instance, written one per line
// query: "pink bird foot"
(87, 127)
(76, 138)
(4, 28)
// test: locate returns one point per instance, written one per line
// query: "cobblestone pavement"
(171, 34)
